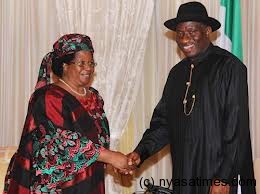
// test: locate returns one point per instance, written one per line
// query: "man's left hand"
(220, 188)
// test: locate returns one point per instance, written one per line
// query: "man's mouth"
(187, 48)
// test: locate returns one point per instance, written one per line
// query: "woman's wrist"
(105, 156)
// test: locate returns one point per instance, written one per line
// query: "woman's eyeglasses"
(85, 63)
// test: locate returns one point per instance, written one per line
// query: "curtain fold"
(24, 40)
(251, 48)
(119, 30)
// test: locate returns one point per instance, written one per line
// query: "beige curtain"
(27, 31)
(251, 45)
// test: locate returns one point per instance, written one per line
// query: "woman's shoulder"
(96, 93)
(50, 91)
(93, 90)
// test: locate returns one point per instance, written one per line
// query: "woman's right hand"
(116, 159)
(119, 160)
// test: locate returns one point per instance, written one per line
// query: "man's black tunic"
(213, 142)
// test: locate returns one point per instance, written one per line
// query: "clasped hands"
(126, 164)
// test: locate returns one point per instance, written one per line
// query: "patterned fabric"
(71, 43)
(67, 44)
(61, 140)
(44, 72)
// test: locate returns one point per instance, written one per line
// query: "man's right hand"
(133, 159)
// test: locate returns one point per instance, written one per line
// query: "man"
(203, 113)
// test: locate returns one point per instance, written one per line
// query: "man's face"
(192, 37)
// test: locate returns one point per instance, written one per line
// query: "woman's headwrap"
(67, 44)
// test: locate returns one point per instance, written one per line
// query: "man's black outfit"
(213, 142)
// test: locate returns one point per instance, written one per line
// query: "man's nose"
(186, 37)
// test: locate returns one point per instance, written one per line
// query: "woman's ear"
(64, 66)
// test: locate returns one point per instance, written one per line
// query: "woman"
(65, 139)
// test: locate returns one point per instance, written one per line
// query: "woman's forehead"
(84, 54)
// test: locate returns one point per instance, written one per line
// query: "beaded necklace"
(84, 93)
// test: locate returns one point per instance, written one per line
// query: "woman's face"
(80, 70)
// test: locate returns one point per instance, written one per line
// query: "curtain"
(119, 30)
(27, 31)
(251, 46)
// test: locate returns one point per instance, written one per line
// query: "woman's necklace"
(85, 91)
(187, 113)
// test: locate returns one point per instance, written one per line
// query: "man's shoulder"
(227, 57)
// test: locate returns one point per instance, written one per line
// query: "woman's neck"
(69, 86)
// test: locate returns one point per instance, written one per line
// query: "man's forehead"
(188, 24)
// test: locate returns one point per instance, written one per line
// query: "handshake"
(124, 164)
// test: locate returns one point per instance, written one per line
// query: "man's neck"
(199, 56)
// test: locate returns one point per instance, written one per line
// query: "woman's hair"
(57, 63)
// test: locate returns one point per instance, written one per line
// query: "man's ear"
(208, 30)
